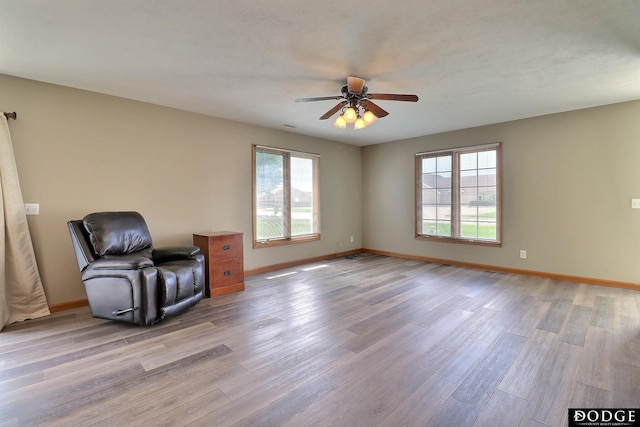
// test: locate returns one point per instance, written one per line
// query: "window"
(286, 206)
(458, 195)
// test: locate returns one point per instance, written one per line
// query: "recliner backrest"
(81, 244)
(118, 233)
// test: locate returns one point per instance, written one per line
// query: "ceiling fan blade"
(375, 109)
(333, 110)
(393, 97)
(319, 98)
(355, 84)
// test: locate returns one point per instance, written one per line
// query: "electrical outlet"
(32, 208)
(635, 203)
(523, 254)
(351, 239)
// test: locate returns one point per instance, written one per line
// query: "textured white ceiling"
(471, 62)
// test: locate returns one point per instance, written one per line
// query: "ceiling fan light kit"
(356, 106)
(352, 115)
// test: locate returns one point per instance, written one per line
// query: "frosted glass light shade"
(369, 117)
(350, 115)
(359, 123)
(340, 123)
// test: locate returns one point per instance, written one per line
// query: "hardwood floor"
(371, 341)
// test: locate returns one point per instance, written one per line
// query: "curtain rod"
(12, 115)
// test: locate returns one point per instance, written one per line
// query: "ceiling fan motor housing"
(345, 92)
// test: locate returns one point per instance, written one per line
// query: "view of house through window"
(458, 194)
(286, 199)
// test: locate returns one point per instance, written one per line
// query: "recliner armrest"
(170, 253)
(124, 262)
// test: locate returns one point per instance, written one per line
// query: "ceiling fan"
(357, 105)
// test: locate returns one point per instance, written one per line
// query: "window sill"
(259, 244)
(478, 242)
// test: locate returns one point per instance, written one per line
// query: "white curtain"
(21, 292)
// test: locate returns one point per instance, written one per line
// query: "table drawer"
(227, 272)
(226, 247)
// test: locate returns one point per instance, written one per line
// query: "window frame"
(287, 239)
(455, 205)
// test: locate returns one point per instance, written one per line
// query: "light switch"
(32, 208)
(635, 203)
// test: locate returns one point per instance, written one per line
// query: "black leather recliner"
(125, 277)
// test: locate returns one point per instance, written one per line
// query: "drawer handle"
(226, 247)
(227, 273)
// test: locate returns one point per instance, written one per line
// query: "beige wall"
(567, 187)
(79, 152)
(568, 181)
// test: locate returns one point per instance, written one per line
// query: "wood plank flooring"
(370, 341)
